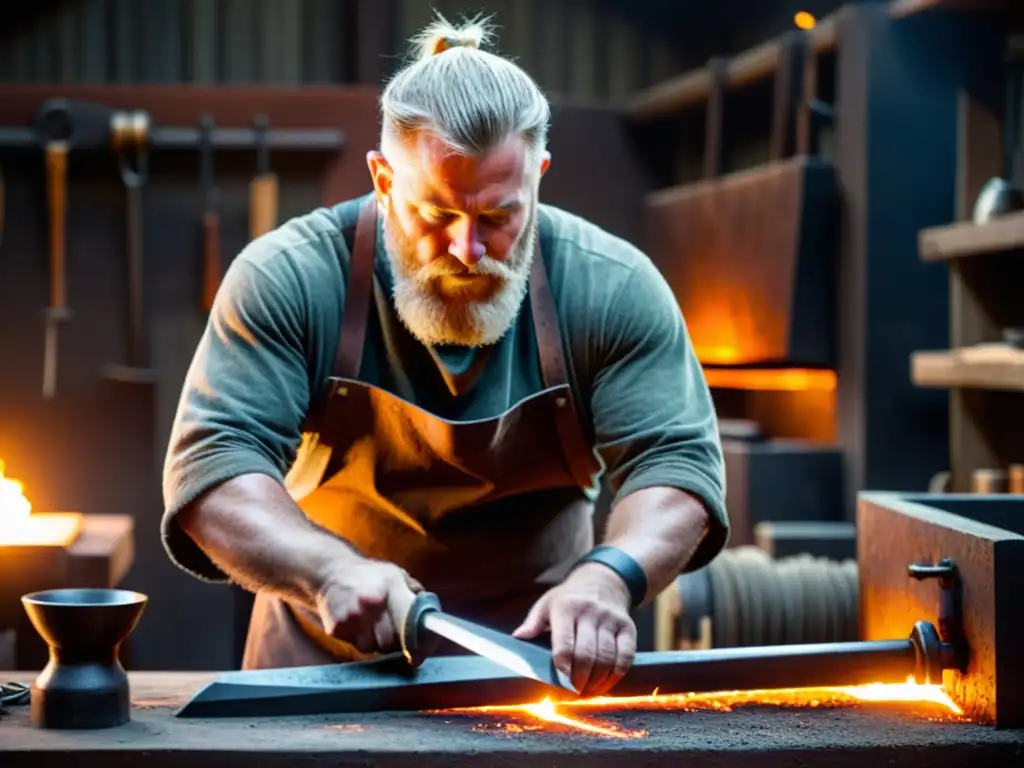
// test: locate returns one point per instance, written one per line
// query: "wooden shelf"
(964, 239)
(998, 370)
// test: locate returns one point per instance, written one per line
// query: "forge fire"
(21, 525)
(579, 715)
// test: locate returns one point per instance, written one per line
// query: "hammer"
(263, 187)
(55, 127)
(212, 270)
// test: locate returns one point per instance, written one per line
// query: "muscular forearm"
(661, 528)
(254, 532)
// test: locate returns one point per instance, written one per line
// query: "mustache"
(449, 266)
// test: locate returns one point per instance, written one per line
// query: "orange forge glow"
(14, 505)
(534, 717)
(20, 527)
(771, 380)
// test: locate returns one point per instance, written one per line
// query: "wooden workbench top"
(763, 736)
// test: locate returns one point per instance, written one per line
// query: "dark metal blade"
(516, 655)
(443, 682)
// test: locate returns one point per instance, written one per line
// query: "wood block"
(103, 552)
(963, 239)
(990, 367)
(896, 530)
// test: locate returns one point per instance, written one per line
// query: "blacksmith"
(422, 389)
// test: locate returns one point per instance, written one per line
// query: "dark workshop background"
(99, 445)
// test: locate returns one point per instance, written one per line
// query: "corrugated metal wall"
(572, 47)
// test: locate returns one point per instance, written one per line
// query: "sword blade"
(525, 659)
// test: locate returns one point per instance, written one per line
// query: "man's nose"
(465, 244)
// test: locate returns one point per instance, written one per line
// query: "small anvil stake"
(391, 683)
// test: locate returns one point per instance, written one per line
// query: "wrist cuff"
(624, 566)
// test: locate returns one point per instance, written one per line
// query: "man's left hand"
(593, 637)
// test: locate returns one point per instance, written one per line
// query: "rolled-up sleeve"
(243, 402)
(654, 419)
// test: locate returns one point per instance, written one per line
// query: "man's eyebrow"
(507, 206)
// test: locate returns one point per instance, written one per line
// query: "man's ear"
(381, 174)
(545, 163)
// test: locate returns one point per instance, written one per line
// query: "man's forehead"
(495, 178)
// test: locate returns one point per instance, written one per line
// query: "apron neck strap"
(359, 289)
(545, 322)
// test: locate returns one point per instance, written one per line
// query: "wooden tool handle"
(57, 197)
(262, 204)
(212, 270)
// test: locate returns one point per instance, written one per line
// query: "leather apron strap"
(354, 316)
(577, 451)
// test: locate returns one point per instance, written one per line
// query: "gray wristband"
(624, 566)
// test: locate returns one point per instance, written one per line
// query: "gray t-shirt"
(271, 339)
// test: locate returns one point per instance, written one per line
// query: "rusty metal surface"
(894, 531)
(750, 258)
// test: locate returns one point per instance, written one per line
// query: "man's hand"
(365, 603)
(593, 637)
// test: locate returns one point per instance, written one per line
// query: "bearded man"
(422, 389)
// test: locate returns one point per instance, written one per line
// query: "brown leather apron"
(488, 513)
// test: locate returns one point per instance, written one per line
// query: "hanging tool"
(56, 152)
(56, 125)
(263, 189)
(213, 270)
(129, 133)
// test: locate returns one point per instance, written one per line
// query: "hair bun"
(441, 35)
(456, 40)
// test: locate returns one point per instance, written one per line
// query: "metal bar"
(286, 139)
(247, 138)
(786, 101)
(714, 128)
(468, 681)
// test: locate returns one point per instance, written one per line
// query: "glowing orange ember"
(14, 505)
(548, 711)
(20, 527)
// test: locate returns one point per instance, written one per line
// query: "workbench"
(758, 736)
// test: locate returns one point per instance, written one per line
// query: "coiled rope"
(752, 599)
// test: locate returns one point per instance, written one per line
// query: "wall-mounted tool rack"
(96, 126)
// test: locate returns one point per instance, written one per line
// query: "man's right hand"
(364, 603)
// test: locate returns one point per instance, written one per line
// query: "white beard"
(435, 319)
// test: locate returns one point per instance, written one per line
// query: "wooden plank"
(148, 689)
(694, 87)
(964, 239)
(104, 551)
(950, 369)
